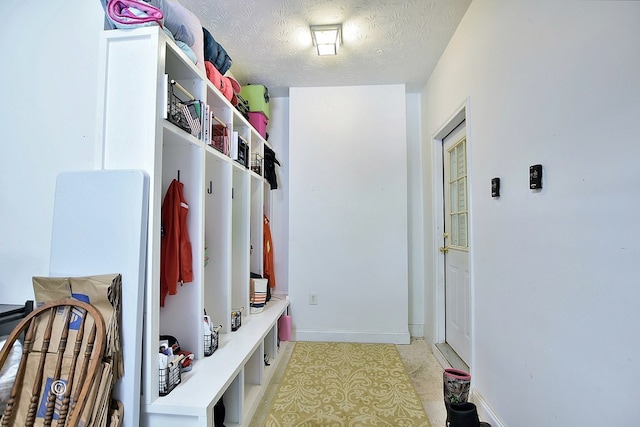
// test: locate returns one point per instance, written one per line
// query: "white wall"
(415, 212)
(555, 288)
(348, 213)
(279, 138)
(47, 117)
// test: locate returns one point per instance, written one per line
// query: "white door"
(456, 244)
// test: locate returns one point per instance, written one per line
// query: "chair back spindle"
(61, 384)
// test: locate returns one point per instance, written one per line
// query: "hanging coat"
(270, 163)
(175, 247)
(267, 254)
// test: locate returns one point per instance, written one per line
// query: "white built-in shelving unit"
(227, 202)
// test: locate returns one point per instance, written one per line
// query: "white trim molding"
(484, 410)
(352, 336)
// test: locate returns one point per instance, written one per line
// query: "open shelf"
(234, 371)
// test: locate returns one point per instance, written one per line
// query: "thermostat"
(535, 177)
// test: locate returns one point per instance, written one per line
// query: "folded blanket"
(133, 13)
(182, 45)
(191, 22)
(172, 21)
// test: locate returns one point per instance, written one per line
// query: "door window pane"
(462, 160)
(453, 186)
(462, 229)
(462, 194)
(458, 197)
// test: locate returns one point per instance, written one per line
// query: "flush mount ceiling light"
(327, 38)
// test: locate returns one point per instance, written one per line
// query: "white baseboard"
(416, 331)
(359, 337)
(484, 410)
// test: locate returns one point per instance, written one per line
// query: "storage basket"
(236, 318)
(211, 340)
(168, 378)
(220, 138)
(256, 163)
(184, 110)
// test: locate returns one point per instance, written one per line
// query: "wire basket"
(236, 318)
(220, 138)
(256, 163)
(168, 378)
(184, 110)
(211, 341)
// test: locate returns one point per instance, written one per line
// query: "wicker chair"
(54, 379)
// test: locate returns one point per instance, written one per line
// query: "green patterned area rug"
(346, 385)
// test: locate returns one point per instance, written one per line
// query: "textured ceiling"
(384, 42)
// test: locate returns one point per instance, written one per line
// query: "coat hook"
(178, 175)
(210, 189)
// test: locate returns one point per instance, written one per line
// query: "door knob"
(444, 249)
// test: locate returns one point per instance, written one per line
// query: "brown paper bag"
(50, 289)
(75, 317)
(58, 387)
(105, 293)
(101, 291)
(98, 398)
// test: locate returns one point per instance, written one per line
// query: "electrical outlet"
(313, 299)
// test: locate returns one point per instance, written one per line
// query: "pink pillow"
(228, 86)
(214, 75)
(192, 22)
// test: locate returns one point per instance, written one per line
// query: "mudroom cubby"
(235, 372)
(227, 201)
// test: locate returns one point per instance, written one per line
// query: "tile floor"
(426, 373)
(423, 368)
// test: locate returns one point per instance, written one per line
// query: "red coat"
(175, 246)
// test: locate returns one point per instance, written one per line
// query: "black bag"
(270, 163)
(243, 107)
(219, 413)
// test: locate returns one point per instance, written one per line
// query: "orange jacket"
(267, 253)
(175, 246)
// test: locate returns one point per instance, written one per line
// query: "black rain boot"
(464, 415)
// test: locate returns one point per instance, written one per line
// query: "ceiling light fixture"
(327, 38)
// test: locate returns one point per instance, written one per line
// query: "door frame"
(461, 114)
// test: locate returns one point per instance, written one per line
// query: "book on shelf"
(233, 151)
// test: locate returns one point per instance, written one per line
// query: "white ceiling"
(384, 42)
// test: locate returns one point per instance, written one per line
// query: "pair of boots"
(460, 412)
